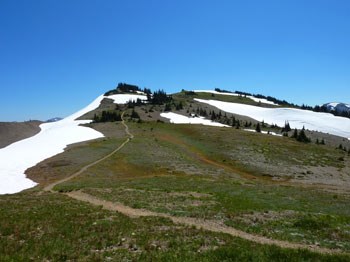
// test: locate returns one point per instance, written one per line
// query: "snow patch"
(125, 98)
(258, 100)
(53, 138)
(180, 119)
(263, 132)
(297, 118)
(50, 141)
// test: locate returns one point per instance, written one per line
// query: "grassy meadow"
(244, 180)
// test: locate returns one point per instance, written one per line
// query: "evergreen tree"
(238, 124)
(295, 134)
(286, 127)
(167, 107)
(302, 136)
(213, 116)
(258, 129)
(233, 121)
(179, 106)
(134, 114)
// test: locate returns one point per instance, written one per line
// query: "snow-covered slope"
(51, 140)
(261, 100)
(323, 122)
(180, 119)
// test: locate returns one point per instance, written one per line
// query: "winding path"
(83, 169)
(209, 225)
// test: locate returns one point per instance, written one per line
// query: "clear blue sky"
(56, 55)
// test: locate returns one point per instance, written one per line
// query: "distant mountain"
(337, 107)
(55, 119)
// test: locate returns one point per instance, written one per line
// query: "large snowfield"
(51, 140)
(297, 118)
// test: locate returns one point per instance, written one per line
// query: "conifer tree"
(302, 136)
(237, 124)
(258, 129)
(286, 127)
(134, 114)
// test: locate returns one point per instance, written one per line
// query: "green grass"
(56, 228)
(225, 98)
(220, 174)
(165, 169)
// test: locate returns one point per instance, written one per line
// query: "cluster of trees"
(127, 88)
(133, 103)
(222, 90)
(301, 136)
(189, 93)
(169, 106)
(318, 142)
(324, 109)
(107, 116)
(159, 97)
(268, 98)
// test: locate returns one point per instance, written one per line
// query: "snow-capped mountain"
(55, 119)
(338, 107)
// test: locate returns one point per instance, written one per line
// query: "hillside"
(11, 132)
(180, 178)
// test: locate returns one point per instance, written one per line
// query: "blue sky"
(57, 56)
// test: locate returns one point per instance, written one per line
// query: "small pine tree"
(258, 129)
(134, 114)
(167, 107)
(238, 125)
(295, 134)
(317, 141)
(302, 136)
(233, 121)
(286, 127)
(322, 142)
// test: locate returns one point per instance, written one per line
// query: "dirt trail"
(209, 225)
(83, 169)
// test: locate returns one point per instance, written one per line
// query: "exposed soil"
(11, 132)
